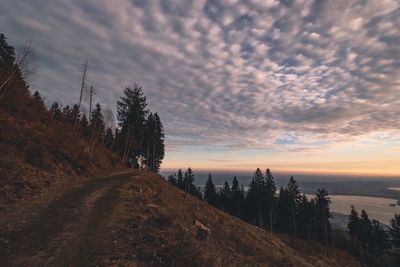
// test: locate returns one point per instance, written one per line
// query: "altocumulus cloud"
(255, 73)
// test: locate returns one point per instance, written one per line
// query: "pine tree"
(180, 183)
(294, 194)
(84, 127)
(109, 138)
(172, 179)
(76, 115)
(97, 125)
(256, 197)
(322, 203)
(67, 115)
(270, 197)
(394, 233)
(153, 146)
(306, 215)
(132, 113)
(55, 111)
(236, 198)
(210, 193)
(379, 240)
(284, 211)
(353, 224)
(188, 181)
(38, 103)
(225, 197)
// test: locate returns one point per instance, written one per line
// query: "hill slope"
(38, 153)
(136, 219)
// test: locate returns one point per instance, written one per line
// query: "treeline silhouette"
(138, 137)
(291, 212)
(287, 211)
(373, 242)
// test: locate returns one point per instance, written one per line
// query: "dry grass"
(36, 155)
(155, 226)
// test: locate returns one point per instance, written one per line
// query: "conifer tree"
(132, 113)
(379, 240)
(188, 181)
(84, 127)
(97, 125)
(256, 197)
(294, 195)
(394, 233)
(322, 203)
(210, 193)
(270, 196)
(55, 111)
(67, 114)
(76, 115)
(353, 224)
(284, 211)
(172, 179)
(109, 138)
(236, 198)
(225, 197)
(180, 183)
(38, 103)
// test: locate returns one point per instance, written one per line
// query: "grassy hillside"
(38, 153)
(155, 223)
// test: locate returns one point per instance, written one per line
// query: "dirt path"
(69, 230)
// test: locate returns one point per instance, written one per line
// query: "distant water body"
(381, 209)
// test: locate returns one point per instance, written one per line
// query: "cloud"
(233, 73)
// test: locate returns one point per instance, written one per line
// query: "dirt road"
(69, 231)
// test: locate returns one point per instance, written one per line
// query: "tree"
(353, 224)
(225, 197)
(67, 115)
(172, 179)
(210, 193)
(109, 138)
(189, 180)
(294, 197)
(306, 217)
(97, 125)
(180, 183)
(55, 111)
(284, 211)
(270, 196)
(379, 240)
(83, 83)
(132, 112)
(256, 198)
(153, 151)
(38, 103)
(15, 68)
(84, 127)
(394, 233)
(237, 198)
(322, 203)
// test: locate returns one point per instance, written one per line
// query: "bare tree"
(91, 93)
(83, 84)
(25, 65)
(83, 87)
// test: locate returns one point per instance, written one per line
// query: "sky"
(303, 86)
